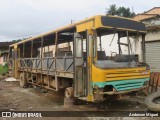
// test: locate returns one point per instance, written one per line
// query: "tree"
(112, 10)
(121, 11)
(18, 40)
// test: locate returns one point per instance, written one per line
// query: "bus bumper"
(120, 86)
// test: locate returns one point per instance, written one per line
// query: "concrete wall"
(3, 58)
(2, 62)
(153, 35)
(150, 36)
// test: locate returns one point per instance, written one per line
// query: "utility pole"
(72, 21)
(132, 9)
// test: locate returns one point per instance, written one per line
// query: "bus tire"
(69, 92)
(153, 101)
(23, 80)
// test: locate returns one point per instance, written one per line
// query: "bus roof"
(98, 21)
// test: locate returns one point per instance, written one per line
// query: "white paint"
(153, 35)
(11, 79)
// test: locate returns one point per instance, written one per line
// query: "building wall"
(150, 36)
(152, 44)
(153, 35)
(3, 58)
(2, 62)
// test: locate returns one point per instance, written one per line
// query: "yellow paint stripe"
(124, 75)
(126, 78)
(124, 70)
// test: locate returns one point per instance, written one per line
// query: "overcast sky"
(24, 18)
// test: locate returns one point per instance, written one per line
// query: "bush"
(3, 69)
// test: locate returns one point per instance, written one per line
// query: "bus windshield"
(118, 50)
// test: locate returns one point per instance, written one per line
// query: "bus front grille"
(126, 75)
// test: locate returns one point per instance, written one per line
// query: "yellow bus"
(82, 68)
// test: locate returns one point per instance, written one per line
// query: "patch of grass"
(3, 69)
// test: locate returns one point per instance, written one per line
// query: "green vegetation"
(3, 69)
(18, 40)
(120, 11)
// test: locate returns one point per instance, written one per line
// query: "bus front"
(118, 64)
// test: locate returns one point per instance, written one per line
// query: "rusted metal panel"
(154, 83)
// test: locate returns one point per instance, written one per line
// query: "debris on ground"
(153, 101)
(30, 108)
(2, 77)
(13, 97)
(11, 79)
(40, 89)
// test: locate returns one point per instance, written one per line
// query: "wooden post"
(143, 49)
(41, 58)
(55, 58)
(48, 69)
(41, 47)
(23, 49)
(32, 60)
(23, 56)
(31, 48)
(15, 69)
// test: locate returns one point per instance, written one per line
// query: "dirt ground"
(15, 98)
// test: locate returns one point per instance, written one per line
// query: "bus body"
(81, 68)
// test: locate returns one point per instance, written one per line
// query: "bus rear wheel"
(69, 92)
(23, 80)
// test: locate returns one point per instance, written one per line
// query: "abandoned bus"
(92, 59)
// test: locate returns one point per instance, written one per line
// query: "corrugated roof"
(154, 12)
(140, 17)
(5, 44)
